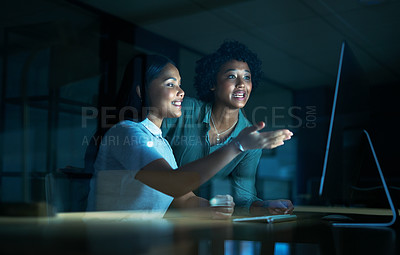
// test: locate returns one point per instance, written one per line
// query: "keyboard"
(267, 218)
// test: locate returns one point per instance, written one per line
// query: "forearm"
(197, 202)
(191, 205)
(190, 200)
(176, 183)
(277, 206)
(208, 166)
(221, 208)
(158, 174)
(258, 208)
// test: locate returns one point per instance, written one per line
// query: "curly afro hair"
(208, 67)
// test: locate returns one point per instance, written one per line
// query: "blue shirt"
(126, 148)
(188, 136)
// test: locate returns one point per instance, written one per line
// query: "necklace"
(216, 130)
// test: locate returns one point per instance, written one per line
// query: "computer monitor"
(350, 155)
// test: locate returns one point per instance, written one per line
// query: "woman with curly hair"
(224, 81)
(134, 167)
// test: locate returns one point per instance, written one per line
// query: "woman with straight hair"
(135, 168)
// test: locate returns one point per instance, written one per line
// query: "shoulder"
(193, 111)
(127, 127)
(128, 136)
(190, 104)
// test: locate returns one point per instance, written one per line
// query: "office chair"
(67, 190)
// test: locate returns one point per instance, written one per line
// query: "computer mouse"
(337, 217)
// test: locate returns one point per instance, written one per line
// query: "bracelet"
(239, 146)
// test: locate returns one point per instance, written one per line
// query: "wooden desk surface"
(363, 211)
(147, 233)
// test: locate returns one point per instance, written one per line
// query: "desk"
(145, 233)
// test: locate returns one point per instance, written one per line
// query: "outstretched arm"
(159, 175)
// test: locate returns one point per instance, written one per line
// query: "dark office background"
(62, 59)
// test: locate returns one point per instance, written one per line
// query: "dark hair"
(127, 104)
(135, 75)
(208, 67)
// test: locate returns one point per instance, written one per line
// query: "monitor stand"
(395, 212)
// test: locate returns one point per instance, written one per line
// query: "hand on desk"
(272, 207)
(219, 207)
(222, 206)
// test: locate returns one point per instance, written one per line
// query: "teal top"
(188, 137)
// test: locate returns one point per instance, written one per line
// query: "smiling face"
(165, 94)
(233, 84)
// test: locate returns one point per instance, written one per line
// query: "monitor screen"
(346, 150)
(352, 175)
